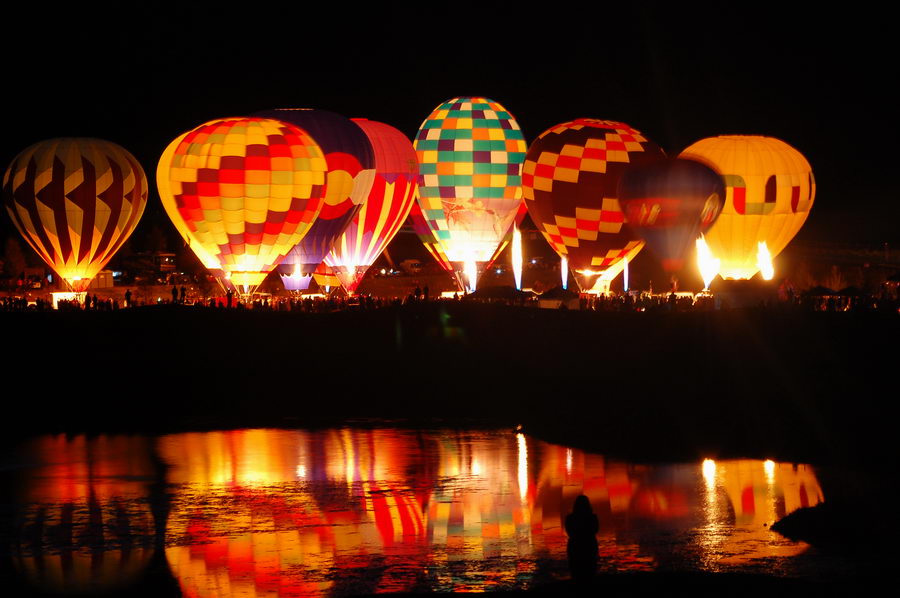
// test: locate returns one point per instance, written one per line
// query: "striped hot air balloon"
(769, 191)
(570, 179)
(471, 152)
(76, 201)
(244, 191)
(383, 213)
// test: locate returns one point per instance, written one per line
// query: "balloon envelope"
(426, 236)
(470, 152)
(351, 171)
(76, 201)
(570, 182)
(246, 190)
(669, 203)
(383, 213)
(769, 191)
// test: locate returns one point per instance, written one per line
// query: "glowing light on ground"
(569, 461)
(707, 263)
(517, 256)
(66, 296)
(471, 271)
(764, 261)
(564, 271)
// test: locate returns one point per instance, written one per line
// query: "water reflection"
(82, 522)
(351, 511)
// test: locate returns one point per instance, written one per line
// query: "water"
(349, 511)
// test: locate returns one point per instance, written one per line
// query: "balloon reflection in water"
(759, 494)
(349, 511)
(83, 521)
(290, 512)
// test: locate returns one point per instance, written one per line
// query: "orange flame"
(764, 261)
(707, 263)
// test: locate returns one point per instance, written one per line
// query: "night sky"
(141, 77)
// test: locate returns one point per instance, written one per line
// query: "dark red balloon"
(669, 203)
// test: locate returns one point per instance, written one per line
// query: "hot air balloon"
(245, 190)
(470, 152)
(668, 203)
(167, 198)
(383, 213)
(570, 182)
(769, 191)
(325, 277)
(76, 201)
(423, 231)
(351, 172)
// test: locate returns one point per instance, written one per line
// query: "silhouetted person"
(229, 297)
(128, 298)
(174, 294)
(582, 527)
(183, 294)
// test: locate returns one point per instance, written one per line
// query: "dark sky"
(141, 75)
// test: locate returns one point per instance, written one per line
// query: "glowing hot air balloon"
(75, 201)
(470, 152)
(423, 231)
(245, 190)
(351, 171)
(669, 203)
(769, 191)
(383, 213)
(167, 198)
(570, 181)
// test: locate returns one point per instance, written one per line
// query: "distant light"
(499, 271)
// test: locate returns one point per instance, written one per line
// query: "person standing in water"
(582, 526)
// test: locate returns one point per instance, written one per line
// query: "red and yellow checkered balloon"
(243, 192)
(570, 178)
